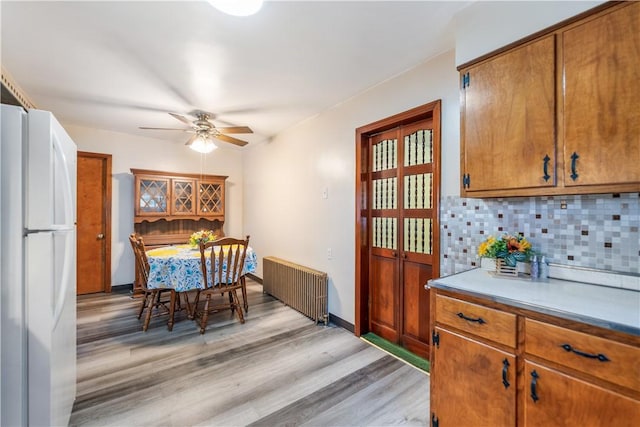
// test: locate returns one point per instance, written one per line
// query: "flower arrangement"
(203, 236)
(511, 248)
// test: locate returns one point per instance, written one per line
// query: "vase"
(488, 264)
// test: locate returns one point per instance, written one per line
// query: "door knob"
(100, 236)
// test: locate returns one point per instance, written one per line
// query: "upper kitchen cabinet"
(508, 120)
(557, 113)
(601, 60)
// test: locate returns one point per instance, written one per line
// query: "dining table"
(179, 267)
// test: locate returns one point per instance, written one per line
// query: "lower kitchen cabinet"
(559, 399)
(474, 382)
(493, 364)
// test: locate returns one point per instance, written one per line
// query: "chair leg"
(231, 303)
(143, 304)
(147, 318)
(172, 306)
(236, 303)
(244, 294)
(205, 314)
(192, 312)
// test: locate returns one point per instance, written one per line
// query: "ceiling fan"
(204, 131)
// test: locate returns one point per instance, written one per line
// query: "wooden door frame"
(106, 214)
(362, 254)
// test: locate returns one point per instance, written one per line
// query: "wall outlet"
(329, 253)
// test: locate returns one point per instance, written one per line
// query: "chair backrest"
(228, 255)
(137, 244)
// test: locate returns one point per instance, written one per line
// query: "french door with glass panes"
(402, 213)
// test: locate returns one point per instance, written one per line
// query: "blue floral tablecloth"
(178, 267)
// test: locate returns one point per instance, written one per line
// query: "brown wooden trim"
(340, 322)
(540, 33)
(107, 178)
(431, 111)
(174, 175)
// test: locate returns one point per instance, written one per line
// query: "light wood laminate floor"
(279, 368)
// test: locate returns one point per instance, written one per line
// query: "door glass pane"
(385, 155)
(153, 196)
(417, 235)
(210, 196)
(418, 149)
(418, 189)
(385, 233)
(384, 193)
(183, 199)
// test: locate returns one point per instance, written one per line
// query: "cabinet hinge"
(434, 420)
(435, 338)
(466, 181)
(466, 79)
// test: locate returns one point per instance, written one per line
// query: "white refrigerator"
(38, 163)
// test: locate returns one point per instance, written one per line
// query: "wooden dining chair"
(152, 297)
(223, 275)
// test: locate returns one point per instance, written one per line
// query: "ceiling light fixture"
(237, 7)
(203, 144)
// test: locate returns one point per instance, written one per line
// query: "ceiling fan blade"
(183, 119)
(182, 129)
(190, 141)
(235, 129)
(231, 139)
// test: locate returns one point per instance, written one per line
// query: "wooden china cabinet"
(169, 207)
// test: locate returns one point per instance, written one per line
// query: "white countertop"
(611, 308)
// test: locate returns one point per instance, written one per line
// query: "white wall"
(485, 26)
(130, 151)
(284, 179)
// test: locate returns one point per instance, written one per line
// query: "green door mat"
(396, 350)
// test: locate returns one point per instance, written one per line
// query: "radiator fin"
(301, 288)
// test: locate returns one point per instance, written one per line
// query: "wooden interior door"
(94, 223)
(399, 217)
(384, 301)
(417, 216)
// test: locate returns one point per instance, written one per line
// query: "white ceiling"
(118, 65)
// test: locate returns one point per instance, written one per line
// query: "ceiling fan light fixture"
(203, 145)
(237, 7)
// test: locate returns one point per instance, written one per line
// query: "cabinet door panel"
(602, 99)
(508, 119)
(182, 197)
(566, 401)
(467, 383)
(152, 196)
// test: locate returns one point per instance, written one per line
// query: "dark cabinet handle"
(394, 254)
(505, 367)
(574, 158)
(480, 320)
(545, 167)
(601, 357)
(534, 380)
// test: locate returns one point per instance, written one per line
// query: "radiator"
(301, 288)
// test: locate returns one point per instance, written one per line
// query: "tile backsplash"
(596, 231)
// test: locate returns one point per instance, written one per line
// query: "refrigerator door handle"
(68, 196)
(66, 272)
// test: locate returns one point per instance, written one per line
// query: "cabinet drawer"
(484, 322)
(602, 358)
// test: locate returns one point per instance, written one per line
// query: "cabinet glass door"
(183, 200)
(153, 195)
(210, 198)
